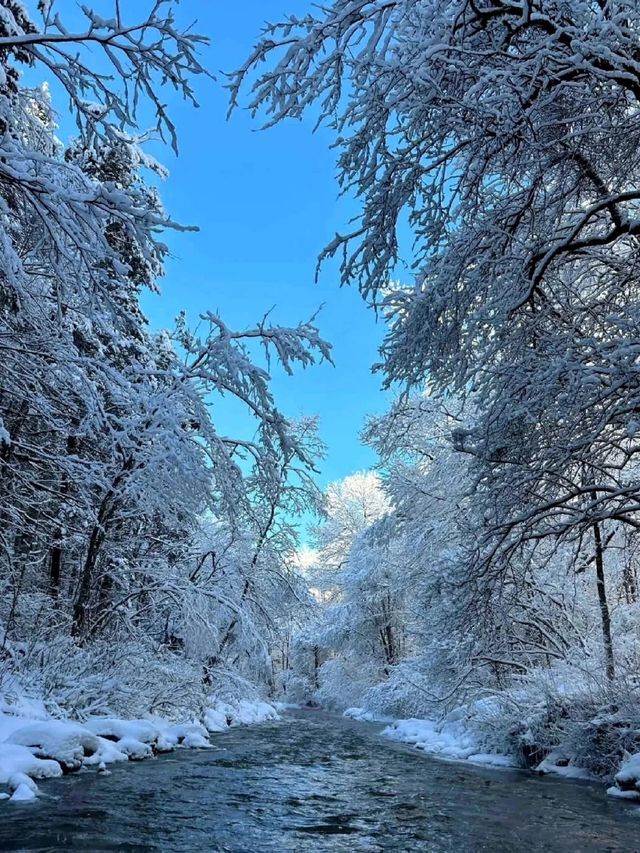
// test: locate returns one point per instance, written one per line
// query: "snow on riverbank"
(35, 746)
(451, 739)
(627, 780)
(447, 739)
(366, 716)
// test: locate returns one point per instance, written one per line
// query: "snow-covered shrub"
(419, 686)
(345, 684)
(295, 688)
(103, 678)
(564, 710)
(602, 724)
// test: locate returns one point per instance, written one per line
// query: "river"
(313, 782)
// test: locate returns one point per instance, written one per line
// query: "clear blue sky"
(265, 202)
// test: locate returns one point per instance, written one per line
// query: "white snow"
(565, 768)
(614, 791)
(492, 759)
(18, 767)
(108, 727)
(134, 749)
(5, 438)
(248, 713)
(627, 779)
(10, 723)
(65, 742)
(365, 716)
(108, 752)
(156, 734)
(241, 713)
(24, 788)
(190, 735)
(447, 739)
(287, 706)
(358, 714)
(215, 719)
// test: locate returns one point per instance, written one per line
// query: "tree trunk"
(55, 562)
(630, 583)
(604, 604)
(55, 553)
(316, 666)
(86, 582)
(98, 534)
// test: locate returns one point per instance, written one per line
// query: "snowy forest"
(479, 585)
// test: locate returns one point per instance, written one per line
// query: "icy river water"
(312, 782)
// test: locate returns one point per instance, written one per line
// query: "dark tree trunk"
(55, 563)
(81, 603)
(316, 666)
(604, 604)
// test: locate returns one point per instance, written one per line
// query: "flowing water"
(312, 782)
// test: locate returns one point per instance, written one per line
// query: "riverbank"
(34, 745)
(452, 739)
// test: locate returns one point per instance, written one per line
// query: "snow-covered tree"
(131, 527)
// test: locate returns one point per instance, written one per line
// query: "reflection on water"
(316, 783)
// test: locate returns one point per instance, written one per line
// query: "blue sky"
(265, 202)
